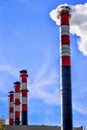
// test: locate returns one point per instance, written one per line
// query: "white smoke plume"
(78, 24)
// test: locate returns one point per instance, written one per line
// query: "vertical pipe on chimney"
(11, 107)
(23, 76)
(65, 68)
(17, 102)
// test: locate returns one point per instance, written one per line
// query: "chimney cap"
(23, 71)
(11, 92)
(63, 8)
(17, 82)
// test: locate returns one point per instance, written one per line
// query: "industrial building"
(35, 127)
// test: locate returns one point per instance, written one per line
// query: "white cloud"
(45, 87)
(79, 97)
(79, 107)
(53, 15)
(7, 121)
(10, 69)
(4, 85)
(3, 99)
(78, 24)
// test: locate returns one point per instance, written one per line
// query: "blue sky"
(29, 39)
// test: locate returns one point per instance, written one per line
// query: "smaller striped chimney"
(11, 107)
(17, 102)
(23, 76)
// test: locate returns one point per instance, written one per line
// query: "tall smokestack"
(11, 107)
(23, 76)
(64, 13)
(17, 102)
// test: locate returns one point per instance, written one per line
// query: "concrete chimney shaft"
(11, 107)
(24, 106)
(64, 13)
(17, 102)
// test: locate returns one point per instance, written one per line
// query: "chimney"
(11, 107)
(17, 102)
(64, 13)
(23, 76)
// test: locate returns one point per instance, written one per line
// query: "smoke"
(78, 24)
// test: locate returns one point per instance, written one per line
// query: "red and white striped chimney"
(17, 102)
(11, 107)
(64, 14)
(24, 106)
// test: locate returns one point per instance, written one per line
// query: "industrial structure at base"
(18, 98)
(36, 127)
